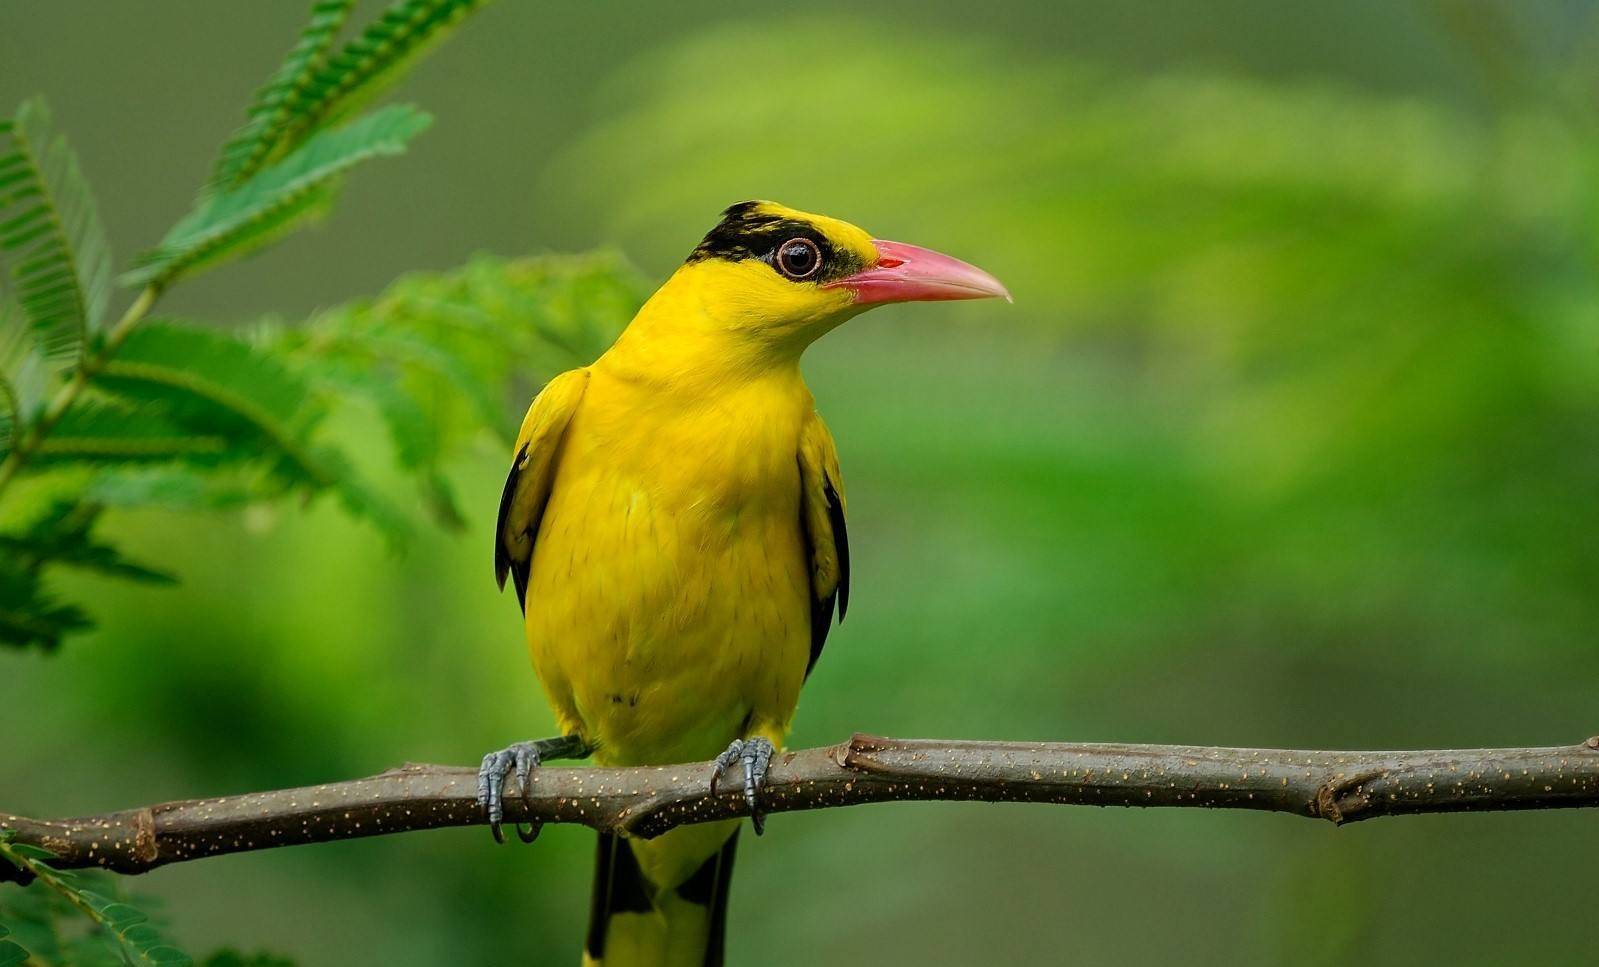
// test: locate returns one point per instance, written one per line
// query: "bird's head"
(783, 277)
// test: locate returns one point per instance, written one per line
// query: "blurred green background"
(1291, 438)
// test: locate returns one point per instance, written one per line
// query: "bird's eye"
(798, 258)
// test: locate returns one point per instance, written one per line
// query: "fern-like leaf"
(228, 957)
(50, 234)
(65, 536)
(278, 198)
(177, 486)
(276, 104)
(437, 356)
(114, 433)
(29, 615)
(372, 61)
(214, 386)
(11, 953)
(129, 928)
(24, 376)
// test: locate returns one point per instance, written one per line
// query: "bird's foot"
(522, 758)
(756, 754)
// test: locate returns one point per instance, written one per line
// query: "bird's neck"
(683, 341)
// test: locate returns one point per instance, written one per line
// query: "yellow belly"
(667, 607)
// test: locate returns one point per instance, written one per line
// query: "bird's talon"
(521, 758)
(756, 756)
(724, 760)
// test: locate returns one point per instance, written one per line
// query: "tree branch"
(1341, 787)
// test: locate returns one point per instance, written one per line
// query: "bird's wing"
(822, 514)
(527, 487)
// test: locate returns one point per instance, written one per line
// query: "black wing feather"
(822, 608)
(835, 516)
(502, 560)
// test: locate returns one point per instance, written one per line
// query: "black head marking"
(746, 231)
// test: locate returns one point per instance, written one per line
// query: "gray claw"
(756, 754)
(523, 758)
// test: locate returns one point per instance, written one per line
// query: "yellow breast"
(668, 600)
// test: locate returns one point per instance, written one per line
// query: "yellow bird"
(673, 523)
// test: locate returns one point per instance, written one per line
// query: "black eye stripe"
(746, 232)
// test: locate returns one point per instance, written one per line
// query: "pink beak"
(910, 273)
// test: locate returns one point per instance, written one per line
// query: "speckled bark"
(1337, 786)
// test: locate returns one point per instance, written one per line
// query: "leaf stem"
(47, 875)
(87, 370)
(60, 882)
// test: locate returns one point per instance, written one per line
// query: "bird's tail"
(634, 923)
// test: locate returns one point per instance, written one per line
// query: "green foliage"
(110, 432)
(213, 386)
(229, 957)
(369, 63)
(10, 953)
(119, 931)
(60, 265)
(277, 102)
(84, 918)
(283, 167)
(197, 419)
(438, 357)
(278, 199)
(63, 536)
(182, 416)
(30, 615)
(50, 233)
(24, 375)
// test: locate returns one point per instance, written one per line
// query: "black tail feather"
(716, 949)
(620, 887)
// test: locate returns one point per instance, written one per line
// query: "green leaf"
(38, 621)
(218, 387)
(136, 937)
(11, 954)
(448, 368)
(369, 63)
(437, 356)
(118, 915)
(227, 957)
(417, 440)
(64, 536)
(278, 198)
(279, 102)
(176, 487)
(140, 935)
(109, 432)
(439, 497)
(24, 375)
(50, 234)
(362, 501)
